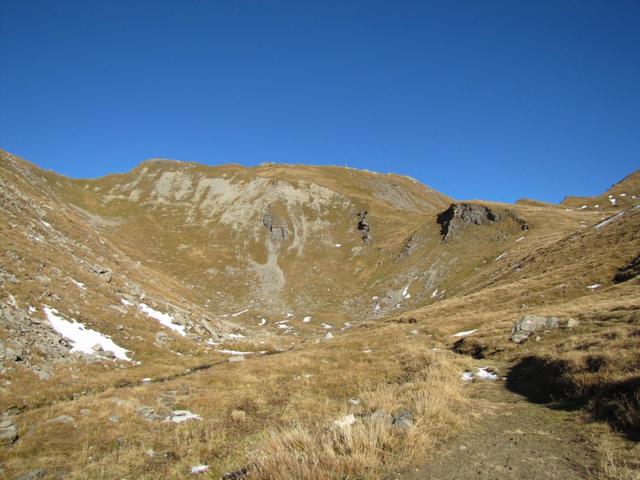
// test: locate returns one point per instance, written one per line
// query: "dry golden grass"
(431, 390)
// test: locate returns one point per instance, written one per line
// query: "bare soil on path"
(512, 438)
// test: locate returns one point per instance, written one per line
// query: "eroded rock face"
(276, 226)
(458, 215)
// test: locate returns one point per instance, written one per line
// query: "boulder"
(528, 324)
(402, 420)
(63, 419)
(8, 432)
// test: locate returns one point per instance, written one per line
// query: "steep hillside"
(621, 195)
(273, 301)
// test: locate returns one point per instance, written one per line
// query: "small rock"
(63, 419)
(32, 474)
(381, 416)
(569, 323)
(402, 420)
(237, 475)
(8, 432)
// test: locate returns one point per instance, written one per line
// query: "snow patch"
(199, 468)
(502, 255)
(482, 373)
(607, 221)
(239, 313)
(78, 284)
(164, 318)
(465, 333)
(594, 286)
(520, 239)
(338, 245)
(263, 321)
(83, 339)
(234, 352)
(179, 416)
(306, 319)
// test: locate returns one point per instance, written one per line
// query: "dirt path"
(511, 438)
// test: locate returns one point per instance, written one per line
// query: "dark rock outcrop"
(459, 215)
(629, 271)
(363, 226)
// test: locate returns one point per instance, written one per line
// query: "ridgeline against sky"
(492, 100)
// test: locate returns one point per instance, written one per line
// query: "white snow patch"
(126, 302)
(435, 293)
(326, 326)
(179, 416)
(306, 319)
(164, 318)
(234, 352)
(623, 194)
(78, 284)
(289, 315)
(284, 326)
(338, 245)
(465, 333)
(83, 339)
(199, 468)
(609, 220)
(263, 321)
(236, 336)
(146, 380)
(367, 351)
(502, 255)
(32, 309)
(594, 286)
(520, 239)
(486, 374)
(482, 373)
(583, 207)
(405, 292)
(466, 376)
(239, 313)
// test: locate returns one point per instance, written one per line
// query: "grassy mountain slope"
(350, 284)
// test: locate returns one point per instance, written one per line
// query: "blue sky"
(478, 99)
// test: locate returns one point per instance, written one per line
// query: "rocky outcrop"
(277, 227)
(629, 271)
(459, 215)
(363, 226)
(529, 324)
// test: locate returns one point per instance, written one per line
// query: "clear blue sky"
(479, 99)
